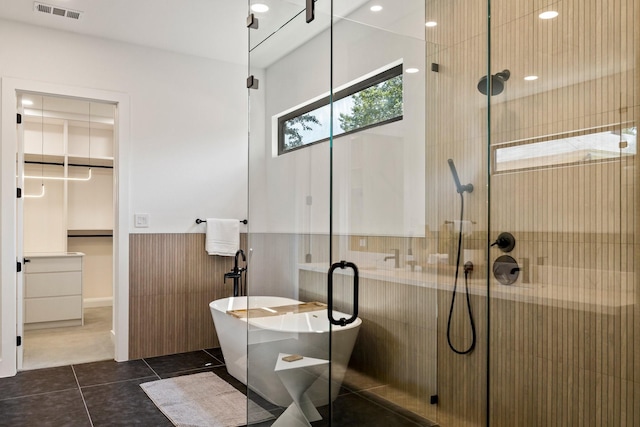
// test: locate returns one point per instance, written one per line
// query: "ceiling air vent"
(43, 8)
(56, 10)
(73, 14)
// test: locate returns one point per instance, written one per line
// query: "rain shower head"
(497, 83)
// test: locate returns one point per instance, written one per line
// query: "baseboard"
(98, 302)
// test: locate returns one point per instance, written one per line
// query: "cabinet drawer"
(52, 309)
(52, 284)
(63, 263)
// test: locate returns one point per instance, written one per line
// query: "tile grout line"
(35, 394)
(212, 355)
(84, 402)
(152, 370)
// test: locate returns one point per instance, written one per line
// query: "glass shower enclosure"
(340, 296)
(460, 180)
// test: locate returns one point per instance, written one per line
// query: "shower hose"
(453, 297)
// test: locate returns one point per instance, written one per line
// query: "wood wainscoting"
(172, 280)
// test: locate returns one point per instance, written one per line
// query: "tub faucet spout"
(239, 252)
(236, 273)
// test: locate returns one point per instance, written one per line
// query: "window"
(600, 144)
(371, 102)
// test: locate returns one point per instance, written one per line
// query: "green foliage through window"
(371, 102)
(374, 105)
(294, 127)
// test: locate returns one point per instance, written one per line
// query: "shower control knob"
(505, 241)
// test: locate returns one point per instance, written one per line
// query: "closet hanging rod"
(200, 221)
(32, 162)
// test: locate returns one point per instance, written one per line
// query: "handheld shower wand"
(460, 188)
(468, 268)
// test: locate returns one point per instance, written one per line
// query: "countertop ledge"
(607, 301)
(53, 254)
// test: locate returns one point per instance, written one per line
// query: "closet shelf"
(89, 233)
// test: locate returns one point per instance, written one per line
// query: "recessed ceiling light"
(376, 8)
(27, 102)
(259, 7)
(431, 24)
(549, 14)
(531, 78)
(411, 70)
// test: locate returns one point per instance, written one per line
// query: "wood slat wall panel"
(551, 365)
(396, 348)
(172, 280)
(583, 219)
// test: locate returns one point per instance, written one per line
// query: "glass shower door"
(288, 359)
(378, 218)
(340, 300)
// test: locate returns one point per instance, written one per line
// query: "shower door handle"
(310, 10)
(354, 316)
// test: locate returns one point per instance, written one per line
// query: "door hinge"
(252, 22)
(19, 193)
(18, 266)
(19, 118)
(18, 341)
(433, 399)
(252, 82)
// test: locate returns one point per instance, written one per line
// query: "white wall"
(97, 269)
(188, 118)
(378, 174)
(45, 228)
(185, 133)
(90, 202)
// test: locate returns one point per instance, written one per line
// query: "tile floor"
(108, 394)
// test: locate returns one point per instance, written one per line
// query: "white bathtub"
(295, 333)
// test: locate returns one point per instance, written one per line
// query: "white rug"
(203, 400)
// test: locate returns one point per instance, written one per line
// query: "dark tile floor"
(108, 394)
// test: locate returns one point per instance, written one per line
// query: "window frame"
(381, 77)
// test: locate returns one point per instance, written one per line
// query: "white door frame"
(8, 256)
(20, 231)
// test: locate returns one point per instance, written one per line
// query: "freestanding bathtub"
(305, 334)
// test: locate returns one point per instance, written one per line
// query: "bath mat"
(203, 400)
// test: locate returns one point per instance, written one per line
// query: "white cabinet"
(53, 290)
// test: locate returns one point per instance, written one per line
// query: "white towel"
(223, 236)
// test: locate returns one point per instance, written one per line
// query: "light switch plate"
(141, 220)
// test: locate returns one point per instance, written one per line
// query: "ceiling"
(214, 29)
(207, 28)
